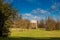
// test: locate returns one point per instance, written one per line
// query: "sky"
(37, 9)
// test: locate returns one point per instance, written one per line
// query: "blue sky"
(37, 9)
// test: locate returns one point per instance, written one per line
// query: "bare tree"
(50, 24)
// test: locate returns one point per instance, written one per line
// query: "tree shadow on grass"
(27, 38)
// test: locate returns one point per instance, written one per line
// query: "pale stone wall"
(33, 23)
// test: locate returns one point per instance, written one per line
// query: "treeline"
(22, 23)
(49, 24)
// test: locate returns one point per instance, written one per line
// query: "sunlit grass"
(16, 32)
(32, 34)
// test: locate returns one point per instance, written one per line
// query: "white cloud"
(27, 14)
(55, 6)
(30, 16)
(40, 11)
(36, 14)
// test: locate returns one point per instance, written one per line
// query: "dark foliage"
(5, 22)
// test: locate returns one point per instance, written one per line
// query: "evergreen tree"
(5, 14)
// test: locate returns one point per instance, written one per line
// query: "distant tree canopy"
(50, 24)
(41, 24)
(22, 23)
(6, 12)
(58, 25)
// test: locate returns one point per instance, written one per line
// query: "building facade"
(33, 24)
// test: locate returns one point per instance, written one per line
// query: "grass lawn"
(32, 34)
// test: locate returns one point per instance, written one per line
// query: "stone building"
(33, 24)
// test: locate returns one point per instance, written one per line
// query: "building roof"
(33, 21)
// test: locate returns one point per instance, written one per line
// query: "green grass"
(34, 33)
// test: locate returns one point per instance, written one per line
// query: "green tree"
(5, 14)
